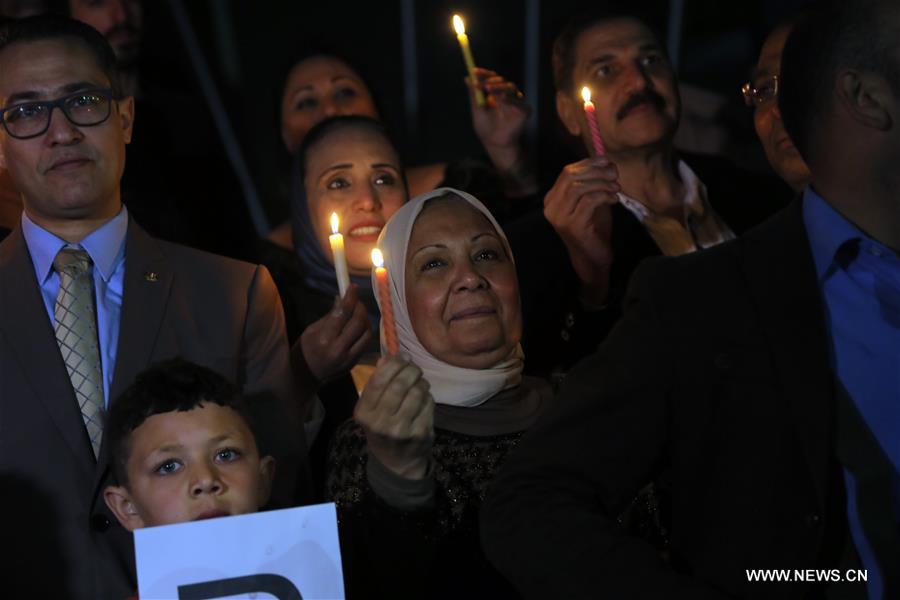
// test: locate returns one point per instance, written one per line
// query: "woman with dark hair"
(322, 84)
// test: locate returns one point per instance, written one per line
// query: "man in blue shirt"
(87, 301)
(760, 379)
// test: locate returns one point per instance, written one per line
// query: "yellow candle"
(340, 258)
(387, 307)
(463, 39)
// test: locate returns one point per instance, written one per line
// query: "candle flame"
(334, 223)
(377, 258)
(586, 93)
(458, 25)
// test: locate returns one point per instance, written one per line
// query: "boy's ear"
(266, 476)
(120, 503)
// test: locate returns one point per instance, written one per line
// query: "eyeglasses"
(31, 119)
(757, 93)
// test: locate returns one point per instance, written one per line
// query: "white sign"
(289, 554)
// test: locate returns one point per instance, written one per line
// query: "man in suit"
(668, 202)
(88, 300)
(760, 376)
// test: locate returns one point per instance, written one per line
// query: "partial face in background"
(632, 83)
(780, 151)
(69, 171)
(461, 286)
(318, 88)
(355, 173)
(190, 465)
(119, 21)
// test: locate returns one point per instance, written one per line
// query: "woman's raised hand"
(334, 343)
(396, 412)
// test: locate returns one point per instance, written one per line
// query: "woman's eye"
(228, 455)
(487, 255)
(385, 179)
(306, 103)
(338, 183)
(433, 264)
(651, 59)
(167, 467)
(345, 93)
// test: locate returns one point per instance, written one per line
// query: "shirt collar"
(694, 196)
(828, 231)
(105, 245)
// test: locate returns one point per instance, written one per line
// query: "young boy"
(182, 449)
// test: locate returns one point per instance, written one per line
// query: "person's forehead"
(351, 145)
(451, 217)
(187, 427)
(612, 37)
(318, 69)
(42, 68)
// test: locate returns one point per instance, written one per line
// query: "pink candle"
(387, 307)
(590, 114)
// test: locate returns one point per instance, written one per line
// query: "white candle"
(463, 40)
(340, 258)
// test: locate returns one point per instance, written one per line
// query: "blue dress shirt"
(106, 246)
(859, 280)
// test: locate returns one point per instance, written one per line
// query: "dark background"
(249, 45)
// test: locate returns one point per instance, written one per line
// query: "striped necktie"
(76, 335)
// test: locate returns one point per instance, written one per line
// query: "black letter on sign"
(276, 585)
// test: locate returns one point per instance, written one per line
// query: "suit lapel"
(782, 280)
(148, 280)
(27, 329)
(145, 293)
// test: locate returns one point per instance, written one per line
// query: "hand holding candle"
(340, 258)
(463, 39)
(384, 300)
(590, 115)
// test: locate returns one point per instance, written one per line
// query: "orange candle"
(590, 114)
(387, 307)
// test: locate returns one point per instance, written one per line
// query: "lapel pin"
(151, 276)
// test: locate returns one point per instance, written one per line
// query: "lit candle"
(340, 258)
(460, 28)
(384, 297)
(590, 114)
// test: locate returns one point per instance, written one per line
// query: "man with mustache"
(88, 300)
(760, 376)
(642, 198)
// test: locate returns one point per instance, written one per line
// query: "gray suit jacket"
(215, 311)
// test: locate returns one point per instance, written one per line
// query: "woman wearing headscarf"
(348, 166)
(433, 425)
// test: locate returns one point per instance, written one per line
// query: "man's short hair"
(168, 386)
(55, 27)
(564, 44)
(835, 34)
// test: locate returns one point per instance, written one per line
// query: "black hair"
(599, 12)
(168, 386)
(331, 125)
(56, 27)
(835, 34)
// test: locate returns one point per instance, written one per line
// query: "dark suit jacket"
(558, 332)
(718, 373)
(61, 540)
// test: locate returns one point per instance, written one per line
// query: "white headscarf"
(451, 385)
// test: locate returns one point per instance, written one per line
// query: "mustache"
(638, 98)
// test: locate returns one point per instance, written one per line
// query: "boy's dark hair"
(565, 42)
(168, 386)
(858, 34)
(331, 125)
(56, 27)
